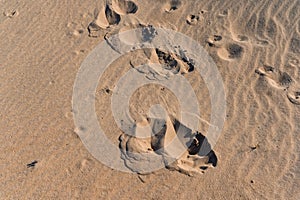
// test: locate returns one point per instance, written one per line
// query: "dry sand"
(255, 45)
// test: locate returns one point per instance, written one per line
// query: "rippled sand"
(256, 48)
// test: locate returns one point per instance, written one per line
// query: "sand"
(255, 46)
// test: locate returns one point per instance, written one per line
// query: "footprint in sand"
(102, 20)
(110, 15)
(192, 19)
(213, 41)
(175, 63)
(156, 146)
(294, 97)
(172, 5)
(276, 78)
(281, 80)
(124, 7)
(231, 51)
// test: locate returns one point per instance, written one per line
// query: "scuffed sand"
(256, 48)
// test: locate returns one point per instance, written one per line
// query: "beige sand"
(255, 45)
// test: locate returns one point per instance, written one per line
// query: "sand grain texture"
(255, 45)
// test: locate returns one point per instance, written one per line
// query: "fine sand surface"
(255, 46)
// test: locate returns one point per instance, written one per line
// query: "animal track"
(227, 51)
(278, 79)
(212, 41)
(281, 80)
(110, 16)
(294, 97)
(124, 7)
(234, 50)
(173, 5)
(230, 51)
(192, 19)
(217, 38)
(175, 63)
(94, 29)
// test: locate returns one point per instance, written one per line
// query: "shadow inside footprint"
(285, 79)
(194, 148)
(212, 158)
(112, 17)
(93, 28)
(131, 7)
(269, 68)
(157, 139)
(192, 19)
(217, 38)
(235, 51)
(171, 63)
(140, 154)
(125, 7)
(175, 63)
(174, 5)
